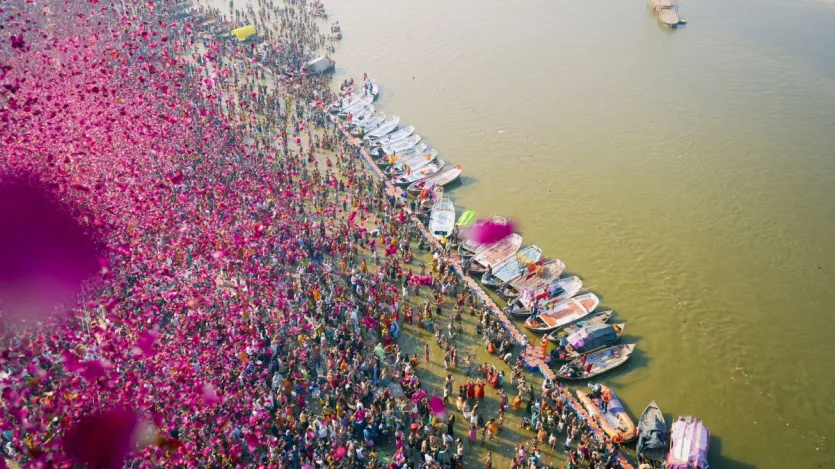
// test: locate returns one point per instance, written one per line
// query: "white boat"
(385, 128)
(399, 166)
(442, 218)
(411, 176)
(371, 87)
(542, 275)
(416, 152)
(495, 253)
(393, 137)
(369, 122)
(402, 145)
(361, 103)
(417, 165)
(563, 313)
(468, 248)
(549, 296)
(513, 267)
(361, 112)
(437, 180)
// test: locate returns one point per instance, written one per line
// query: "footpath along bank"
(531, 355)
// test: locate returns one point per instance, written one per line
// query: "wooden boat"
(587, 340)
(418, 152)
(356, 106)
(615, 422)
(512, 267)
(557, 292)
(360, 113)
(416, 165)
(468, 248)
(495, 253)
(439, 179)
(539, 276)
(563, 313)
(368, 122)
(343, 103)
(384, 129)
(668, 17)
(402, 145)
(412, 176)
(425, 206)
(442, 218)
(393, 137)
(690, 444)
(653, 442)
(596, 363)
(594, 318)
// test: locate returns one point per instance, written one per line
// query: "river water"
(687, 176)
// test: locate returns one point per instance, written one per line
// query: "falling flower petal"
(102, 440)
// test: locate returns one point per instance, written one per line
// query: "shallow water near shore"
(687, 176)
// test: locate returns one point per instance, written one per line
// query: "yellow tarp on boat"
(245, 32)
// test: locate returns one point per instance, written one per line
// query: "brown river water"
(687, 176)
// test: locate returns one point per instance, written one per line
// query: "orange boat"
(615, 421)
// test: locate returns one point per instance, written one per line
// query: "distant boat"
(615, 422)
(538, 276)
(468, 248)
(588, 339)
(392, 137)
(440, 179)
(442, 218)
(558, 291)
(412, 176)
(402, 145)
(690, 444)
(388, 126)
(513, 267)
(667, 13)
(415, 165)
(596, 363)
(398, 162)
(356, 106)
(564, 313)
(594, 318)
(495, 253)
(653, 441)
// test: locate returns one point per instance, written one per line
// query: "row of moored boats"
(587, 344)
(396, 147)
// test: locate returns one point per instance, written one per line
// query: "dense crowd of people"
(254, 279)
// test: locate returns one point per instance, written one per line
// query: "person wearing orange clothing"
(479, 392)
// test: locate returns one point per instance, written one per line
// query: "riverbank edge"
(531, 355)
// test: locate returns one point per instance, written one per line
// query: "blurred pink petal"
(45, 254)
(102, 440)
(145, 345)
(488, 231)
(436, 405)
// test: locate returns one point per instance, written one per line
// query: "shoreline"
(531, 355)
